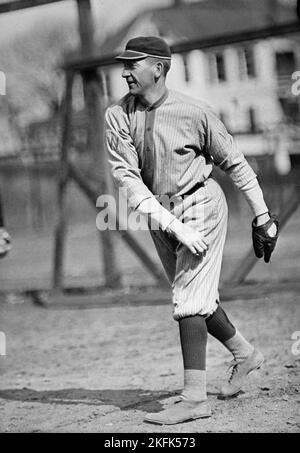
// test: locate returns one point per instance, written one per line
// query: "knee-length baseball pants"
(195, 279)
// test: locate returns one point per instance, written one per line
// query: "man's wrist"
(261, 219)
(173, 226)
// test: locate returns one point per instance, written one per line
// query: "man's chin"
(134, 91)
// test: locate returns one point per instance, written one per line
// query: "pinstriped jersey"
(167, 147)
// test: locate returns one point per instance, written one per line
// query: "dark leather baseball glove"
(264, 237)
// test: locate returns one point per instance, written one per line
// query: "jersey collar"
(157, 103)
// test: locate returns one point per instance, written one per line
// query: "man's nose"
(125, 73)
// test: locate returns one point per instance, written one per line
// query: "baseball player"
(5, 241)
(163, 143)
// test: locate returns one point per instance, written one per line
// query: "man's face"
(139, 75)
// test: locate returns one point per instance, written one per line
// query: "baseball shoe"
(180, 412)
(239, 373)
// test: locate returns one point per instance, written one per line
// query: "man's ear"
(158, 69)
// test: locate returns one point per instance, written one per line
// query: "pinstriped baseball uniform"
(165, 149)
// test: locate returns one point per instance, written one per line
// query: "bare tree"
(31, 64)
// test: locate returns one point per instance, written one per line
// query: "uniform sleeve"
(124, 165)
(255, 198)
(225, 154)
(123, 159)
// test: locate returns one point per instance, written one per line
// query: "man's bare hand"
(188, 236)
(5, 242)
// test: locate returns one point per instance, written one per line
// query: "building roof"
(203, 20)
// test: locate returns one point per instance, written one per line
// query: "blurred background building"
(248, 84)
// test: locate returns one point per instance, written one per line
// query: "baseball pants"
(195, 279)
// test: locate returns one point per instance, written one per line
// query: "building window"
(211, 66)
(253, 127)
(250, 62)
(285, 66)
(291, 109)
(108, 84)
(285, 63)
(246, 63)
(217, 72)
(187, 76)
(220, 67)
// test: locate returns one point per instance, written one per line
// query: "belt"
(193, 189)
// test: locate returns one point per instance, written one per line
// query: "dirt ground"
(101, 370)
(70, 368)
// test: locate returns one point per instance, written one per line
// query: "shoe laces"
(233, 366)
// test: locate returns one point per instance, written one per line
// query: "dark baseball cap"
(145, 46)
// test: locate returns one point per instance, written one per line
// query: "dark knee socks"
(193, 337)
(219, 326)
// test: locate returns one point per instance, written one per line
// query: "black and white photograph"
(149, 219)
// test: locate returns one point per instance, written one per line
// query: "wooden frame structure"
(8, 7)
(87, 64)
(94, 92)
